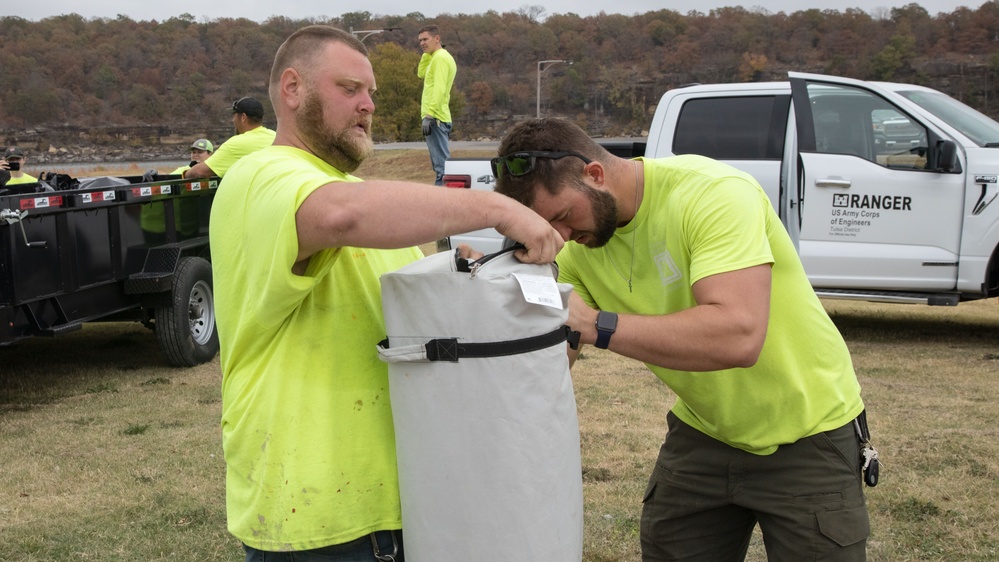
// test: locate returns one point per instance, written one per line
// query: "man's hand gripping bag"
(485, 418)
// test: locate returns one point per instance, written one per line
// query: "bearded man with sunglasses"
(683, 264)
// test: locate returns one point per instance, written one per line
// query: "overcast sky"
(260, 10)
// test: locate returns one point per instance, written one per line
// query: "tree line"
(180, 72)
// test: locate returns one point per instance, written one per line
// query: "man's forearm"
(359, 214)
(199, 170)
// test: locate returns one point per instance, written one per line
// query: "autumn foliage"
(67, 70)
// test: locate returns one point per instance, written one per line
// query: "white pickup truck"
(887, 189)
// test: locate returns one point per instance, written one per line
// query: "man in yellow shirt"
(437, 69)
(251, 136)
(683, 264)
(13, 161)
(298, 246)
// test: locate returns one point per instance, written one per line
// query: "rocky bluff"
(75, 144)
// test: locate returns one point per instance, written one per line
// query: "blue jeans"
(437, 142)
(357, 550)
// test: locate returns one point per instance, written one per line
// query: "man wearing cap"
(13, 161)
(200, 151)
(251, 136)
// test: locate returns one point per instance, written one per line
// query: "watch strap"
(606, 326)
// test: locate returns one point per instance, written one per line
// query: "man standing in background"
(437, 70)
(251, 136)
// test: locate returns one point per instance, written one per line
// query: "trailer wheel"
(186, 328)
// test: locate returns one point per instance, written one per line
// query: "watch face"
(606, 321)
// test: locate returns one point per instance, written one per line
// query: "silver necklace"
(631, 268)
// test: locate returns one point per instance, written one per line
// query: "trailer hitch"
(11, 217)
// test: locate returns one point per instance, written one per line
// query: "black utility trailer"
(109, 249)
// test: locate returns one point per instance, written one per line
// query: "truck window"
(733, 128)
(981, 129)
(859, 123)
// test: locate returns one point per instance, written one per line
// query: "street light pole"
(365, 33)
(544, 65)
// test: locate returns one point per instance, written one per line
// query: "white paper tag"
(539, 289)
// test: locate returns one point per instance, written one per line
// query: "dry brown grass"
(409, 164)
(929, 378)
(109, 454)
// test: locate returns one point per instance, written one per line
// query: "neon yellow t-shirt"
(26, 178)
(437, 71)
(698, 218)
(237, 147)
(306, 420)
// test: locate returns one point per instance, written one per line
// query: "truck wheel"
(186, 328)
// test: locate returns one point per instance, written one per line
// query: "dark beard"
(339, 149)
(604, 216)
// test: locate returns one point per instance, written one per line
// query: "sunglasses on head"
(522, 163)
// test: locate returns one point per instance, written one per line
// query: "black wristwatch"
(606, 325)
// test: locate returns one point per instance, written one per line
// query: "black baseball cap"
(249, 106)
(13, 152)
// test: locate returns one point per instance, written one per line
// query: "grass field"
(108, 454)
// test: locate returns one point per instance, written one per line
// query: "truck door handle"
(829, 182)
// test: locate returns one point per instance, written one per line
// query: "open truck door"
(791, 184)
(875, 211)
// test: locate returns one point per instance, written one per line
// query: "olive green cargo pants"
(704, 499)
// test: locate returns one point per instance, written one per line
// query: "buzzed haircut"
(300, 47)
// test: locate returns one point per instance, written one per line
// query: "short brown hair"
(300, 47)
(432, 29)
(551, 134)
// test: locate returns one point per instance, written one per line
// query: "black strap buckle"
(451, 350)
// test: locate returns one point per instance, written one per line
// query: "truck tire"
(186, 328)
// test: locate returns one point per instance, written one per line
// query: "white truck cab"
(888, 190)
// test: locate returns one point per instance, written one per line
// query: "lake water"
(89, 169)
(83, 169)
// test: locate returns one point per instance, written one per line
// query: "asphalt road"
(482, 144)
(454, 144)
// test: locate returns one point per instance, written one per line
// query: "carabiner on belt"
(378, 553)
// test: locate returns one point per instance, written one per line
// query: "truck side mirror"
(943, 158)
